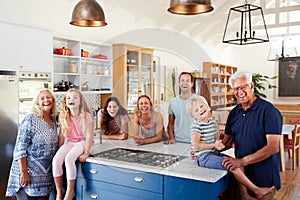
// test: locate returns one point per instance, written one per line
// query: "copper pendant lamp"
(88, 13)
(190, 7)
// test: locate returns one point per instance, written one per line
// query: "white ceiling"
(211, 25)
(282, 18)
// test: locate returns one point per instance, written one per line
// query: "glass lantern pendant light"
(190, 7)
(88, 13)
(240, 23)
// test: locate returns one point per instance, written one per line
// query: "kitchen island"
(105, 178)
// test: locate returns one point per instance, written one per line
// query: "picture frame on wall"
(170, 82)
(289, 77)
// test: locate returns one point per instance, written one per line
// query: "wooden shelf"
(220, 95)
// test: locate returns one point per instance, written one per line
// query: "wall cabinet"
(25, 48)
(89, 73)
(134, 77)
(221, 94)
(34, 48)
(7, 47)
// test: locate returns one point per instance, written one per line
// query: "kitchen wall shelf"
(91, 74)
(221, 94)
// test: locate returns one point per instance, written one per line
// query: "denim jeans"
(212, 159)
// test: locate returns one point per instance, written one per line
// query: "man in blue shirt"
(179, 122)
(254, 126)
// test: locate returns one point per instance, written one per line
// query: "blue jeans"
(211, 159)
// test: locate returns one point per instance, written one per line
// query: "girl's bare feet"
(59, 194)
(69, 195)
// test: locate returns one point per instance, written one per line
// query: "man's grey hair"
(238, 75)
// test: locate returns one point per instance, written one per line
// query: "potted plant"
(261, 82)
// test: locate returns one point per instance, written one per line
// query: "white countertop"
(185, 168)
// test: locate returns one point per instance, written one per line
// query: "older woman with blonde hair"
(30, 175)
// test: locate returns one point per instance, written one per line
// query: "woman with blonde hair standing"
(30, 174)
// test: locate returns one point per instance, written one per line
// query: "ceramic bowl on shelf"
(100, 56)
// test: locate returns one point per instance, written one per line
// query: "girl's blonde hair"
(36, 110)
(64, 115)
(191, 103)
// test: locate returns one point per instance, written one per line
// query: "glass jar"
(89, 68)
(100, 69)
(73, 67)
(83, 66)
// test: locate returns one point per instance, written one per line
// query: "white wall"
(122, 27)
(251, 58)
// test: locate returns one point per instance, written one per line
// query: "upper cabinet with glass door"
(83, 65)
(135, 73)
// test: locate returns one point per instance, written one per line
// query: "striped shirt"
(206, 130)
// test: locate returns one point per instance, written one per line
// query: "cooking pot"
(63, 51)
(84, 53)
(100, 56)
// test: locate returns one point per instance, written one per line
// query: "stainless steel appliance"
(8, 123)
(140, 157)
(29, 84)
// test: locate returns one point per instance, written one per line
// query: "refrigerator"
(17, 90)
(8, 124)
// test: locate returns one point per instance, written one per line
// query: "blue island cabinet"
(187, 189)
(96, 181)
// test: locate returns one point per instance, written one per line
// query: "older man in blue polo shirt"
(254, 126)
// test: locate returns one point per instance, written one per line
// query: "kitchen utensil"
(63, 51)
(85, 86)
(84, 53)
(100, 56)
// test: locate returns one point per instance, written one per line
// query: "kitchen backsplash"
(93, 100)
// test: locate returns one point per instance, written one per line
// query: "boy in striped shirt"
(206, 148)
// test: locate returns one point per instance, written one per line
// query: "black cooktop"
(140, 156)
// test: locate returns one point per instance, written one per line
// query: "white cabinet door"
(34, 49)
(7, 46)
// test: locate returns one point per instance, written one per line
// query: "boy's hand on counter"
(219, 145)
(193, 157)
